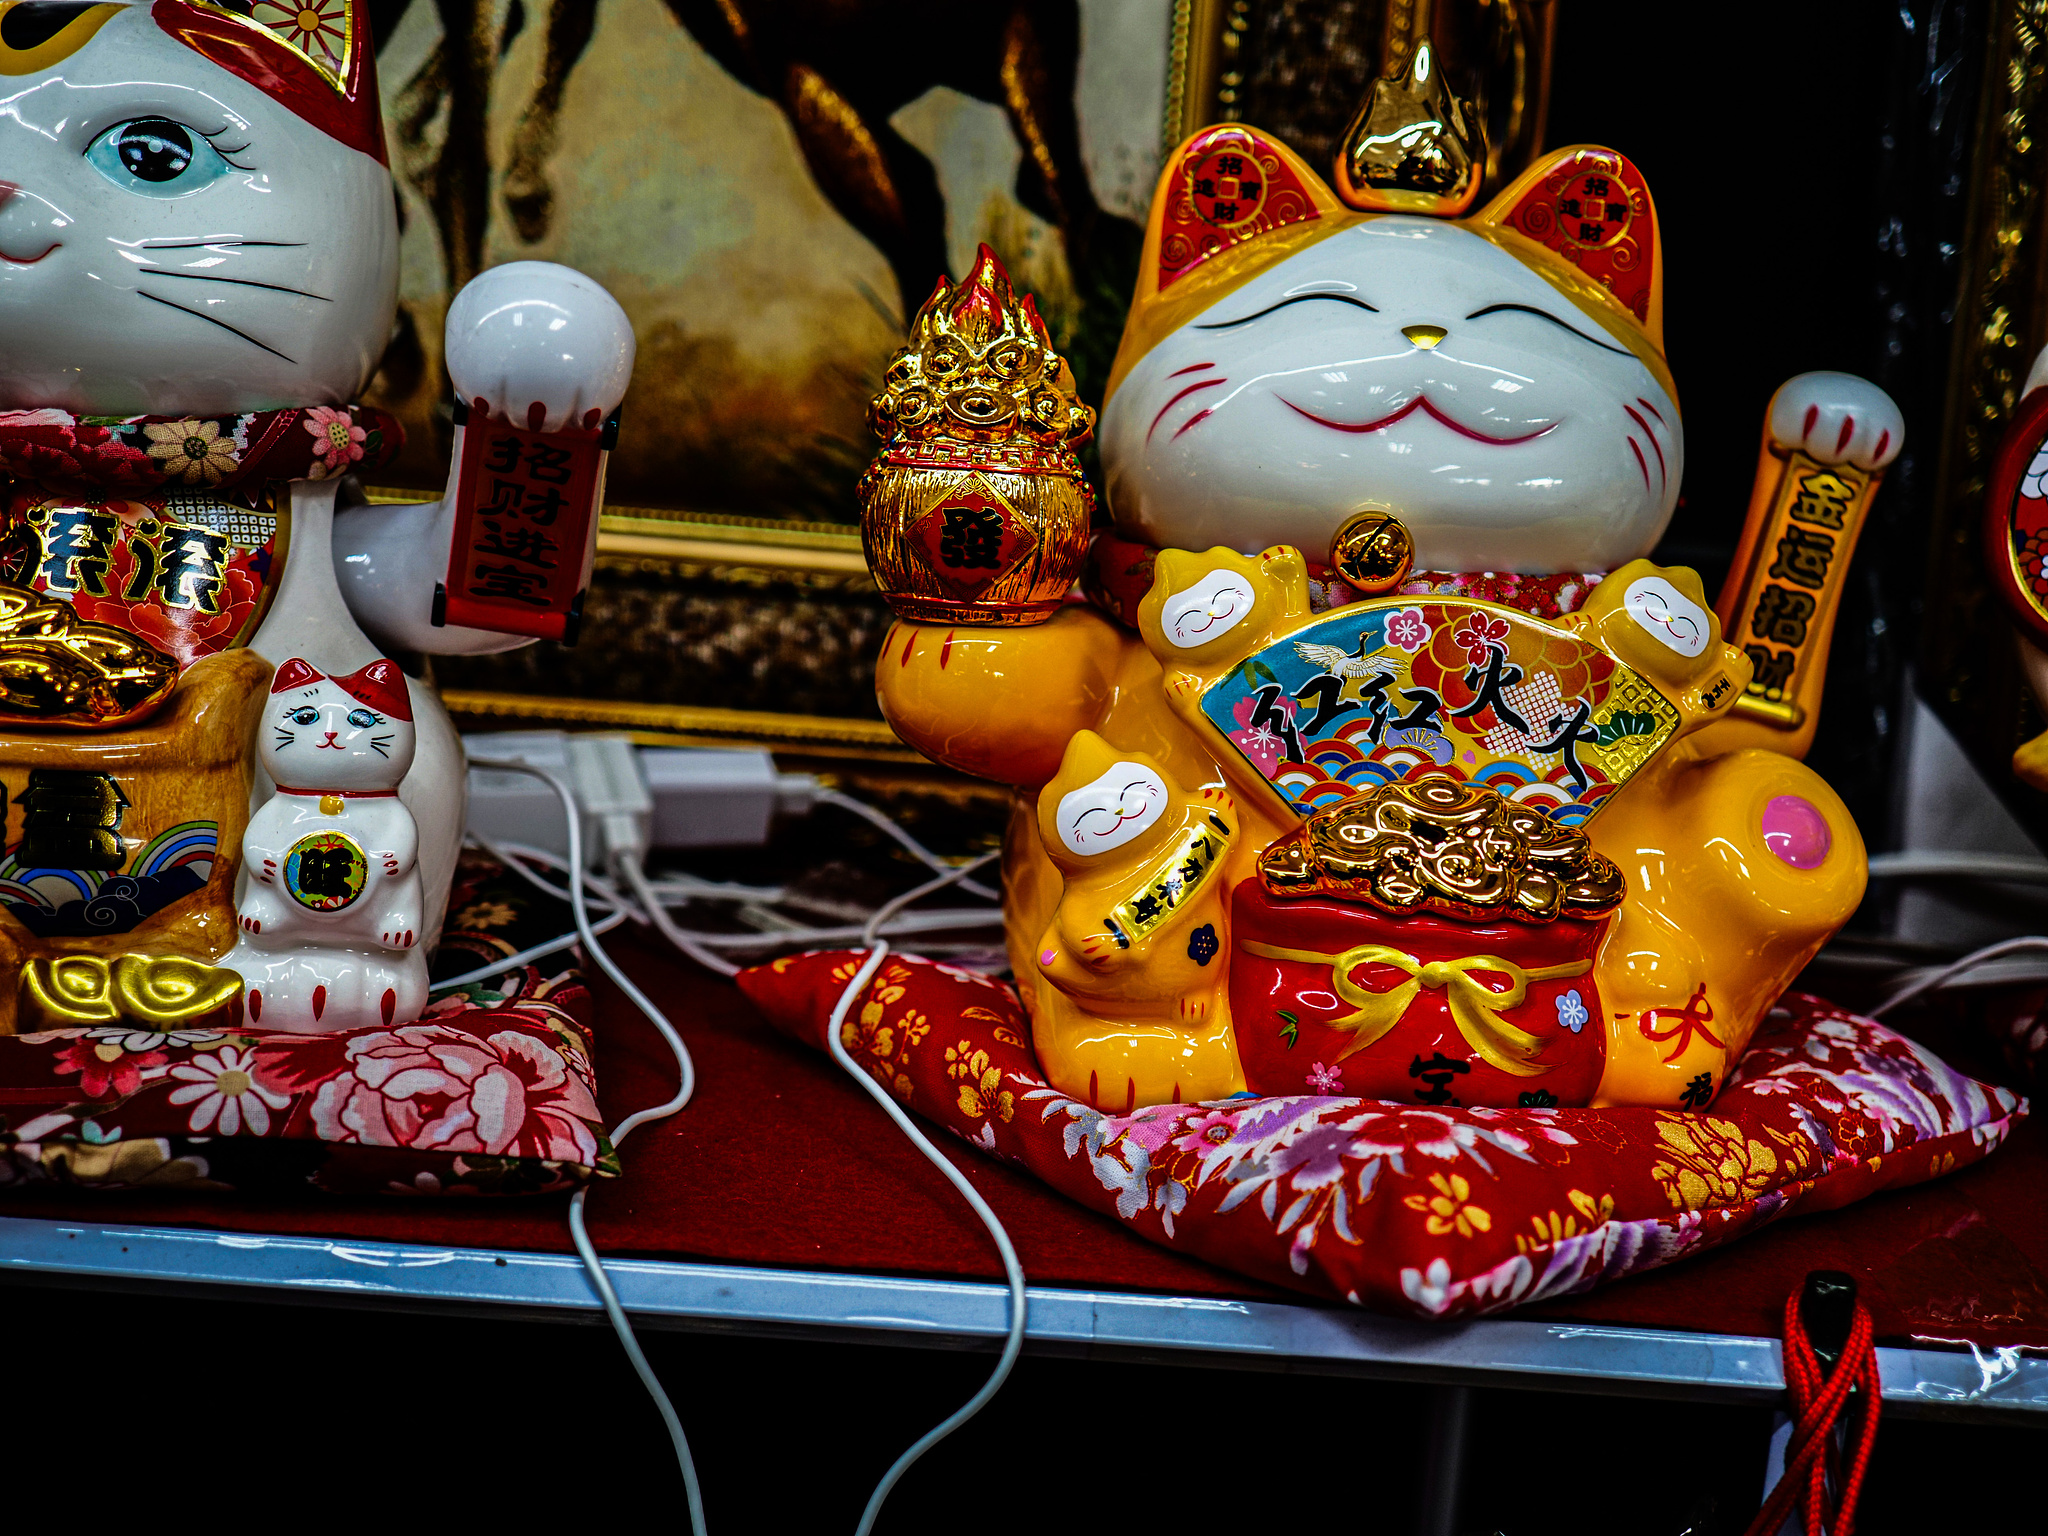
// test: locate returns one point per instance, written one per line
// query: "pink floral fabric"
(486, 1094)
(1435, 1211)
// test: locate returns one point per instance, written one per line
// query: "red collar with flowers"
(1119, 574)
(158, 455)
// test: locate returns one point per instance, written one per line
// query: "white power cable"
(1949, 973)
(888, 824)
(648, 903)
(1013, 1343)
(599, 1280)
(525, 956)
(636, 878)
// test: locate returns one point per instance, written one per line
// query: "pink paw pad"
(1796, 832)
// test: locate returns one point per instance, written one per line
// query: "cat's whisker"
(1641, 463)
(207, 245)
(241, 282)
(143, 293)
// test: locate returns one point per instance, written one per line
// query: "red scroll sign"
(526, 507)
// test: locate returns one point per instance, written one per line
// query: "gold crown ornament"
(976, 511)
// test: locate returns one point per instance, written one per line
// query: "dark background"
(1809, 162)
(236, 1413)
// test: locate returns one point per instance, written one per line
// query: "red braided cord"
(1817, 1402)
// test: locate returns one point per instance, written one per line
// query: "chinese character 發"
(326, 871)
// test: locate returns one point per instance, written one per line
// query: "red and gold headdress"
(313, 56)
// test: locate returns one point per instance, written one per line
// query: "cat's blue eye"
(305, 714)
(361, 719)
(156, 157)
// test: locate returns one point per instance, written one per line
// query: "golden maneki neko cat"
(1377, 760)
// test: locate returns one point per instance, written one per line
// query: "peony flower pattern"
(429, 1087)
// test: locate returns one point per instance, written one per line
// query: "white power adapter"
(630, 798)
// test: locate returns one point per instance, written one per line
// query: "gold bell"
(1373, 552)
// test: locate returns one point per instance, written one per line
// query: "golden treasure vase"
(976, 510)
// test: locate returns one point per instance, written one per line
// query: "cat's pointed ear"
(1590, 212)
(381, 685)
(1231, 202)
(315, 60)
(294, 674)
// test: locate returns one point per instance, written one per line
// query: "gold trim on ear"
(1206, 245)
(73, 35)
(1582, 218)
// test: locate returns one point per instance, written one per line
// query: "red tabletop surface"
(782, 1161)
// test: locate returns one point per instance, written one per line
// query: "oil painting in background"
(769, 189)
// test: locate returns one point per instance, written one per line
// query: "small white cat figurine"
(333, 916)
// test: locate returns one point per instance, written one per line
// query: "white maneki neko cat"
(1489, 830)
(198, 273)
(333, 918)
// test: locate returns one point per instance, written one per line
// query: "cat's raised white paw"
(543, 346)
(1837, 418)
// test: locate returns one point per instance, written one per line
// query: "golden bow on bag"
(1475, 1007)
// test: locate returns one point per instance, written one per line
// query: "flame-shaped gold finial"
(1414, 146)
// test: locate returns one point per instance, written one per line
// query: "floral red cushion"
(468, 1100)
(1441, 1212)
(491, 1092)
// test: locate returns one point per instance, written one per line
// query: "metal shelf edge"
(1191, 1330)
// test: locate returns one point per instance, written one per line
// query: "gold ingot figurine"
(150, 992)
(59, 669)
(976, 511)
